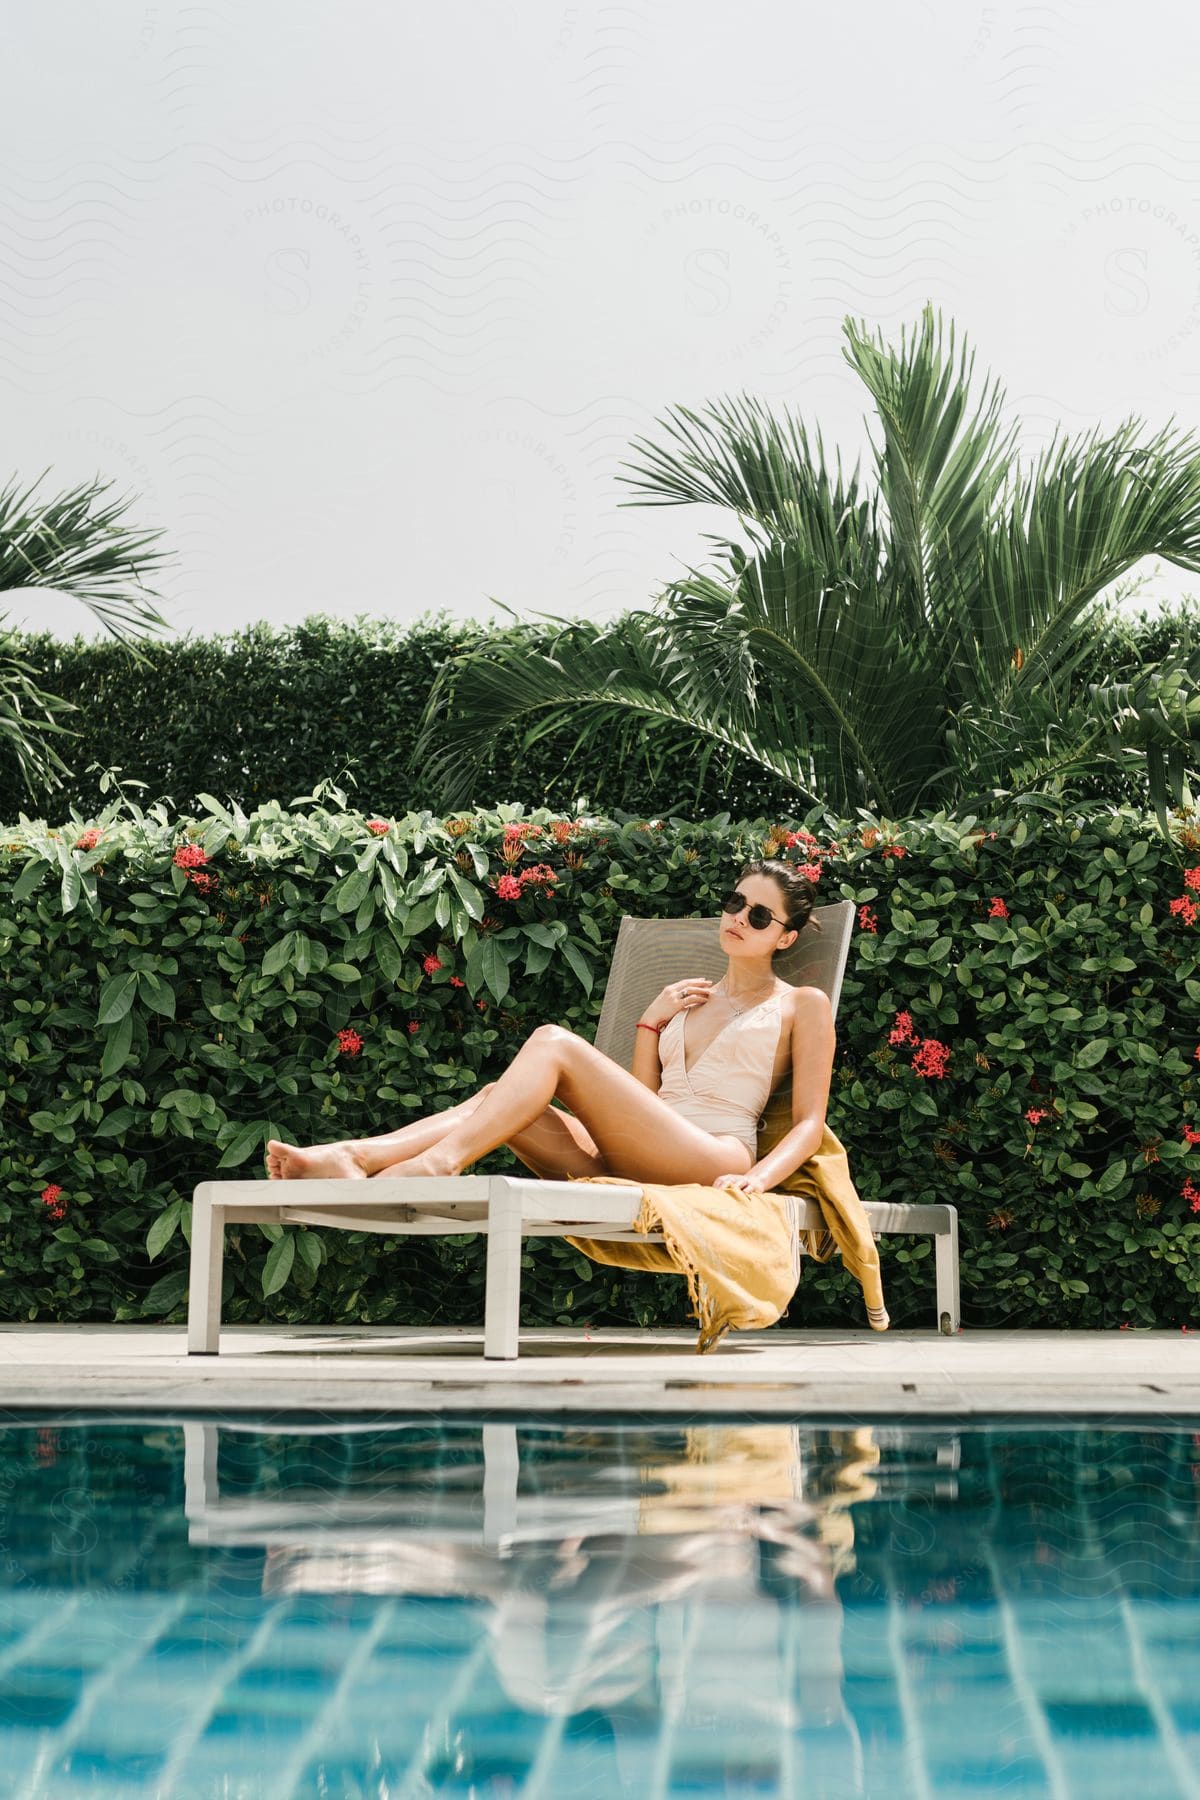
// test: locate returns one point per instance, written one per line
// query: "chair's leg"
(945, 1248)
(501, 1471)
(200, 1487)
(204, 1286)
(502, 1301)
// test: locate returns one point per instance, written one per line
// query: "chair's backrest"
(651, 952)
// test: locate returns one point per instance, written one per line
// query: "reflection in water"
(595, 1602)
(578, 1609)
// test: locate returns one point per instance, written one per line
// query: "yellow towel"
(741, 1256)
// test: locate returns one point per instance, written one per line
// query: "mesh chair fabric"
(652, 952)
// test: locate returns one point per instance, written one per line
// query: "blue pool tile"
(1100, 1719)
(35, 1705)
(120, 1771)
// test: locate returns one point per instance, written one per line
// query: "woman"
(687, 1112)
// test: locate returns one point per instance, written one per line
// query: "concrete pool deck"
(776, 1373)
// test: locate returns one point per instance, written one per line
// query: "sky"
(364, 307)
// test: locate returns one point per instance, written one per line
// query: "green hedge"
(266, 714)
(171, 993)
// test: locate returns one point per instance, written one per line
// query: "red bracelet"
(656, 1029)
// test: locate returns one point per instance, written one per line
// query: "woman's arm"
(647, 1064)
(813, 1042)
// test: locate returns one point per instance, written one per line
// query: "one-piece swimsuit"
(729, 1084)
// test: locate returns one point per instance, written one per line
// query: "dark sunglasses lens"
(758, 916)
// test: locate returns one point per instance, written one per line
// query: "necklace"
(733, 1005)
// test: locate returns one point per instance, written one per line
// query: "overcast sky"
(365, 303)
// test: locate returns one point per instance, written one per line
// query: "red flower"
(902, 1031)
(508, 887)
(457, 981)
(53, 1201)
(538, 873)
(481, 1006)
(206, 883)
(1190, 1136)
(1191, 878)
(1185, 909)
(189, 856)
(349, 1042)
(88, 839)
(514, 833)
(1036, 1114)
(810, 871)
(413, 1027)
(799, 837)
(931, 1059)
(379, 826)
(432, 964)
(997, 909)
(896, 850)
(1191, 1193)
(867, 920)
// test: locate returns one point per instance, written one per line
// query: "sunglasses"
(758, 917)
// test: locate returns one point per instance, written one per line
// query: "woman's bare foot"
(324, 1162)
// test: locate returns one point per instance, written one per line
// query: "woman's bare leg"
(634, 1132)
(555, 1146)
(352, 1157)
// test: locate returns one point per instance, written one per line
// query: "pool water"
(441, 1606)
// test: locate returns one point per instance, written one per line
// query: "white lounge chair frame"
(505, 1208)
(494, 1515)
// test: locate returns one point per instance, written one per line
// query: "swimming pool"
(439, 1606)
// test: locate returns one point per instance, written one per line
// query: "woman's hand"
(678, 996)
(743, 1185)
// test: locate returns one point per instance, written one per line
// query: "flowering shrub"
(1038, 1066)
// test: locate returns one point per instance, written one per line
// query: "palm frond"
(75, 545)
(615, 684)
(28, 722)
(801, 658)
(943, 461)
(1084, 515)
(739, 455)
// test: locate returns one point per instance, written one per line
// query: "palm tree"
(915, 645)
(73, 545)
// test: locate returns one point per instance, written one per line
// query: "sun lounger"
(506, 1208)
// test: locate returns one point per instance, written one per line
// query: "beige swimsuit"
(729, 1084)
